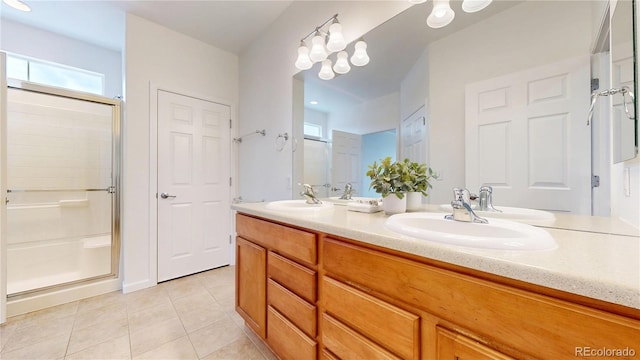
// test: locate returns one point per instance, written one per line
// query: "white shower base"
(38, 265)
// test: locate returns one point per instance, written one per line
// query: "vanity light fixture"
(360, 57)
(325, 71)
(325, 43)
(472, 6)
(18, 5)
(441, 15)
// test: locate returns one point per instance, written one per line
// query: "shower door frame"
(114, 189)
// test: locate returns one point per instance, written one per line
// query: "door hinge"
(230, 181)
(595, 84)
(230, 122)
(229, 239)
(595, 181)
(111, 189)
(424, 121)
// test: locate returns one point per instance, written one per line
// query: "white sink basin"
(297, 206)
(511, 213)
(497, 234)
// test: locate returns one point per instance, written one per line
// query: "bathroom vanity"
(335, 284)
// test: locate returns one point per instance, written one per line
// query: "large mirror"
(439, 96)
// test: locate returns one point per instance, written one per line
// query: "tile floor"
(187, 318)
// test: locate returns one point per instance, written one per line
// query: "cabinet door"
(452, 346)
(251, 284)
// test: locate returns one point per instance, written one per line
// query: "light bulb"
(18, 5)
(336, 39)
(472, 6)
(342, 64)
(303, 62)
(318, 51)
(325, 72)
(441, 15)
(360, 57)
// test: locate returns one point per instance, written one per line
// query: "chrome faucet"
(348, 191)
(310, 194)
(484, 199)
(462, 210)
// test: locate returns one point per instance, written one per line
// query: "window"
(312, 130)
(52, 74)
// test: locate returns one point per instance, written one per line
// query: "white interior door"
(194, 214)
(414, 137)
(346, 152)
(527, 136)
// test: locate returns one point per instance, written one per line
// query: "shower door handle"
(166, 196)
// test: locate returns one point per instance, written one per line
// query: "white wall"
(467, 56)
(266, 86)
(25, 40)
(376, 115)
(414, 88)
(173, 61)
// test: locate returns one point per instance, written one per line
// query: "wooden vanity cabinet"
(312, 295)
(276, 290)
(463, 316)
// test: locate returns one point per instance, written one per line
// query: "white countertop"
(591, 263)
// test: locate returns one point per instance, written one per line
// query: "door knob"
(164, 195)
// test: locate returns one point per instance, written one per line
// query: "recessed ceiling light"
(313, 102)
(18, 5)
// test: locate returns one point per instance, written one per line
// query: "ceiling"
(228, 25)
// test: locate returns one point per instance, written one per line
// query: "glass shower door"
(61, 179)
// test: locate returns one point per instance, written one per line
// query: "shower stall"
(62, 174)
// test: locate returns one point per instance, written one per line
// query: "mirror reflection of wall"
(624, 125)
(436, 66)
(376, 146)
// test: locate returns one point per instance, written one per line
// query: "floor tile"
(29, 335)
(115, 349)
(242, 348)
(100, 315)
(215, 336)
(151, 316)
(115, 298)
(50, 348)
(146, 298)
(84, 337)
(158, 334)
(178, 349)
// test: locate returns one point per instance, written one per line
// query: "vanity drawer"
(295, 243)
(387, 325)
(295, 277)
(453, 346)
(345, 343)
(294, 308)
(287, 340)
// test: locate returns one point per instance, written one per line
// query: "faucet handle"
(308, 189)
(486, 188)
